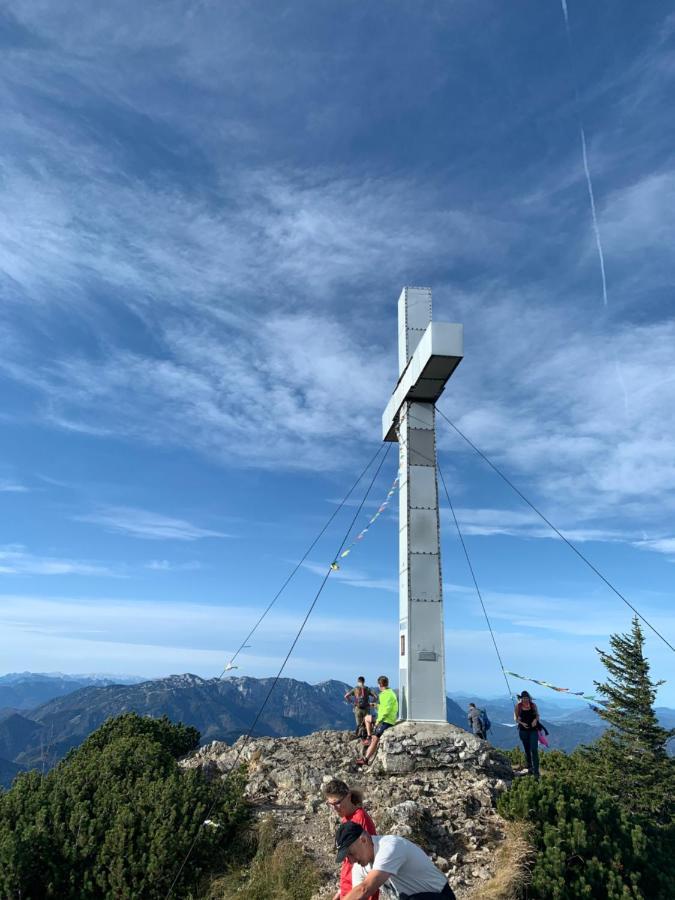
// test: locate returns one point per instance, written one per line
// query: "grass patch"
(279, 870)
(511, 872)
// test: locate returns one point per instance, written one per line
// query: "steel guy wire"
(466, 554)
(275, 681)
(550, 524)
(300, 562)
(475, 582)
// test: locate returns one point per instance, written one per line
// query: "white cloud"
(15, 560)
(665, 545)
(282, 269)
(553, 415)
(163, 565)
(350, 577)
(12, 487)
(144, 636)
(142, 523)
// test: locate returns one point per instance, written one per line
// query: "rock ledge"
(435, 784)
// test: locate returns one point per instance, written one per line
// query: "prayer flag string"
(360, 536)
(561, 690)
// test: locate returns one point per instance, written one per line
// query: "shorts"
(359, 715)
(447, 893)
(380, 728)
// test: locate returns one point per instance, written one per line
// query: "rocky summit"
(435, 784)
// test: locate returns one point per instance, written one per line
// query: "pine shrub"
(601, 819)
(116, 818)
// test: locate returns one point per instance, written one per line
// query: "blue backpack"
(485, 722)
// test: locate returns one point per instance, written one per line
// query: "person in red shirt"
(347, 803)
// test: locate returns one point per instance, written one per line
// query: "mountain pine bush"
(602, 819)
(116, 817)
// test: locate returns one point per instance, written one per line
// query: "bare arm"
(370, 884)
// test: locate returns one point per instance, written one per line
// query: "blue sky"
(208, 212)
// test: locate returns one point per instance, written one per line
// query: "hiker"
(347, 803)
(362, 699)
(526, 715)
(476, 721)
(381, 859)
(387, 713)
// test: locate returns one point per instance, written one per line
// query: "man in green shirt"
(387, 714)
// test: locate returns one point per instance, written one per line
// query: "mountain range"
(38, 735)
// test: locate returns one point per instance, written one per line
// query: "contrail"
(564, 9)
(589, 183)
(598, 243)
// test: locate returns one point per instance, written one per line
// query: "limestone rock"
(435, 784)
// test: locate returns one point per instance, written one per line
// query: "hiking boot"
(361, 761)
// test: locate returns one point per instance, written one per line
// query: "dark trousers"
(447, 894)
(528, 736)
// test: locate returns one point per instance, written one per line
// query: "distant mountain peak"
(186, 679)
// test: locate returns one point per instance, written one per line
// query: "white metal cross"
(428, 353)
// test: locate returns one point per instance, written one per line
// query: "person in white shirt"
(391, 860)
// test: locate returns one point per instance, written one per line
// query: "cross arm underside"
(436, 357)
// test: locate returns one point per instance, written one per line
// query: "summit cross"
(428, 354)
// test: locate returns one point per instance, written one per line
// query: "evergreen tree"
(602, 821)
(630, 760)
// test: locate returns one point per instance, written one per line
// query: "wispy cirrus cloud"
(351, 577)
(16, 560)
(164, 565)
(162, 637)
(260, 290)
(553, 414)
(142, 523)
(12, 487)
(525, 523)
(664, 545)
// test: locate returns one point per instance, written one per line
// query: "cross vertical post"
(428, 355)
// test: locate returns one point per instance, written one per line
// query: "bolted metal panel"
(426, 689)
(421, 415)
(422, 488)
(423, 527)
(414, 315)
(422, 450)
(425, 577)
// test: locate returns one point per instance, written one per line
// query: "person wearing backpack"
(479, 721)
(363, 696)
(526, 715)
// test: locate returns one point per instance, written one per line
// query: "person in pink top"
(347, 803)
